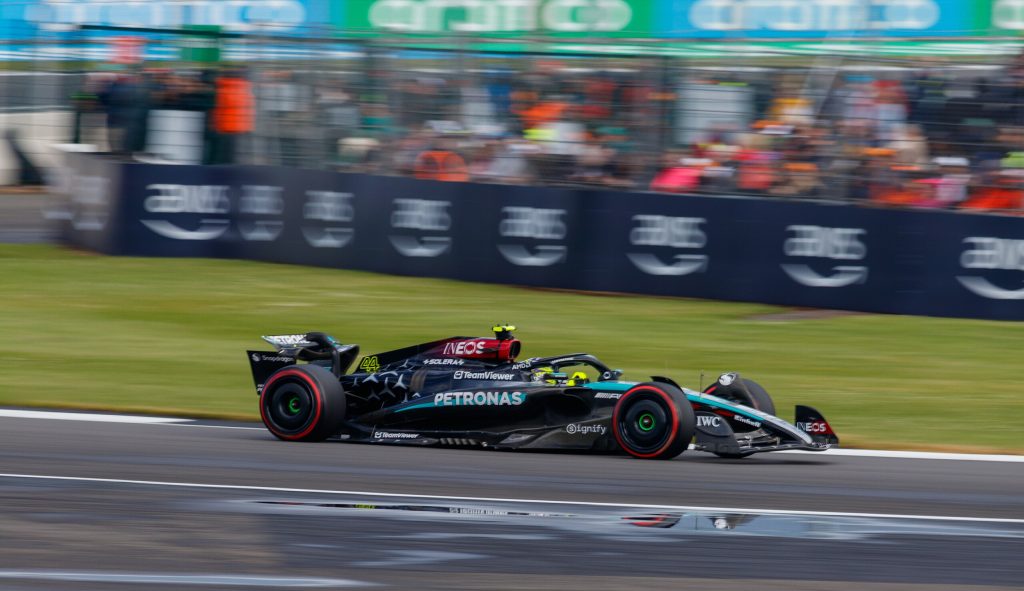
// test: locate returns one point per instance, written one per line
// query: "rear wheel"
(302, 403)
(653, 421)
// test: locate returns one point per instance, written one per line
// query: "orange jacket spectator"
(543, 112)
(1004, 193)
(441, 165)
(233, 109)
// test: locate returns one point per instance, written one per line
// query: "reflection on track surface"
(84, 534)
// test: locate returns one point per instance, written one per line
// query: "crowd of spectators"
(939, 137)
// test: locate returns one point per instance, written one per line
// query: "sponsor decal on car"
(445, 361)
(391, 435)
(831, 244)
(483, 375)
(819, 427)
(369, 364)
(257, 357)
(479, 399)
(577, 429)
(611, 395)
(706, 420)
(746, 421)
(287, 340)
(727, 378)
(466, 347)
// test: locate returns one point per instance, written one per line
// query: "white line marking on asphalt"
(215, 426)
(910, 455)
(81, 416)
(676, 508)
(171, 579)
(175, 422)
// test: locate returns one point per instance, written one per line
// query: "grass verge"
(169, 336)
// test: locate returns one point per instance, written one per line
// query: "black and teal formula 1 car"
(472, 392)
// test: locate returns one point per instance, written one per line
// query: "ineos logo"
(501, 15)
(813, 15)
(422, 215)
(205, 200)
(533, 223)
(328, 216)
(670, 232)
(988, 253)
(260, 210)
(836, 244)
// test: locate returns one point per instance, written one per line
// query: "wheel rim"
(644, 426)
(289, 407)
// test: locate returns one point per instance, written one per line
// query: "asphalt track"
(88, 505)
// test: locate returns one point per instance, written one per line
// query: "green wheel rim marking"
(294, 405)
(646, 422)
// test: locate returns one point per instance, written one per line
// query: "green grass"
(169, 336)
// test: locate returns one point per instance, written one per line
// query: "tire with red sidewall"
(653, 421)
(302, 403)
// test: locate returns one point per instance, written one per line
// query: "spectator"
(232, 116)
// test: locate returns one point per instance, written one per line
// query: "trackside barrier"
(819, 255)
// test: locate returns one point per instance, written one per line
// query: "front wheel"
(653, 421)
(743, 391)
(302, 403)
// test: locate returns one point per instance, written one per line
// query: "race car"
(473, 392)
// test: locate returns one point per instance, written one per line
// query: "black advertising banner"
(92, 208)
(807, 254)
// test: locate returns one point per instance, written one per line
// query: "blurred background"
(830, 192)
(910, 102)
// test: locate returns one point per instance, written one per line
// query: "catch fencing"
(744, 249)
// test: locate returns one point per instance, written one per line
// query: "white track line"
(215, 426)
(676, 508)
(81, 416)
(911, 455)
(173, 579)
(175, 422)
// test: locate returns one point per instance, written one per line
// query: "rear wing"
(315, 347)
(289, 341)
(263, 364)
